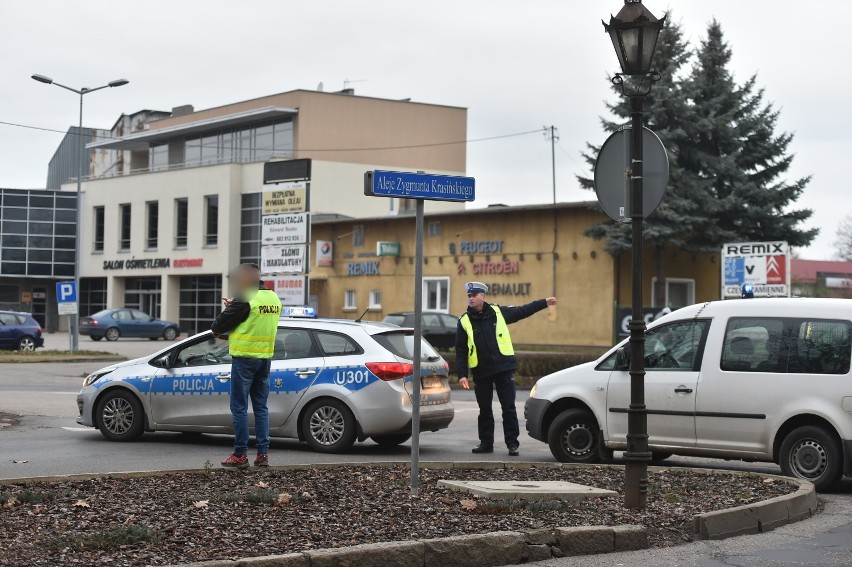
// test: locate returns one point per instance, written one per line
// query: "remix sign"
(765, 265)
(284, 228)
(282, 259)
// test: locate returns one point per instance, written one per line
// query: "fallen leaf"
(202, 503)
(468, 504)
(129, 520)
(768, 480)
(262, 484)
(81, 504)
(10, 503)
(283, 499)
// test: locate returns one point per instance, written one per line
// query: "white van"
(756, 379)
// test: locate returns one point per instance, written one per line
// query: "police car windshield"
(402, 345)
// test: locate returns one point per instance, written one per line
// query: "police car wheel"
(328, 426)
(170, 334)
(573, 437)
(391, 440)
(112, 334)
(120, 416)
(812, 453)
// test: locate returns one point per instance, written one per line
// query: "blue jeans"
(483, 387)
(250, 378)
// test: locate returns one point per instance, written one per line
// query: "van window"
(673, 347)
(796, 346)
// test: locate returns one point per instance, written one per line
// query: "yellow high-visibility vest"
(504, 341)
(255, 337)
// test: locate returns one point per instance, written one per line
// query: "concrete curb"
(508, 548)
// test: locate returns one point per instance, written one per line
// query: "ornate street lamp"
(634, 33)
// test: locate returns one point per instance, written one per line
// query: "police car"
(332, 382)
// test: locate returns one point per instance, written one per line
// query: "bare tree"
(843, 244)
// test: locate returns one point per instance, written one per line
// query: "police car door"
(672, 366)
(195, 386)
(296, 365)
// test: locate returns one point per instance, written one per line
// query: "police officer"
(484, 351)
(250, 319)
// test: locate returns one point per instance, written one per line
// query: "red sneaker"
(236, 462)
(262, 460)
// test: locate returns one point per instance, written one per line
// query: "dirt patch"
(229, 514)
(9, 420)
(60, 356)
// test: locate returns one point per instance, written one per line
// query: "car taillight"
(446, 366)
(388, 371)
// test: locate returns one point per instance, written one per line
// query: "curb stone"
(750, 519)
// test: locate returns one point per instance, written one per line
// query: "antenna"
(319, 87)
(358, 320)
(347, 82)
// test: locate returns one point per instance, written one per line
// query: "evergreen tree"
(667, 113)
(843, 244)
(739, 157)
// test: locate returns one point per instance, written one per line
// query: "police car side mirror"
(164, 361)
(622, 358)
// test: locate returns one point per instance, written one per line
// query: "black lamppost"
(634, 32)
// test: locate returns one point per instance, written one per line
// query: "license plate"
(432, 382)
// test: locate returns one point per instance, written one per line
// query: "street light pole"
(634, 33)
(73, 327)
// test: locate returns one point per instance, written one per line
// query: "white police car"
(332, 382)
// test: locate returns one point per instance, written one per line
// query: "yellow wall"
(703, 267)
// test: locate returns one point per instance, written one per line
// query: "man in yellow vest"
(484, 352)
(250, 319)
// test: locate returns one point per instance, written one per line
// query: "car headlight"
(94, 377)
(533, 390)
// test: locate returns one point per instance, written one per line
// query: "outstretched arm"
(515, 314)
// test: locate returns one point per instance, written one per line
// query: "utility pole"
(552, 134)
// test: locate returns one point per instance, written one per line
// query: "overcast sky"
(516, 65)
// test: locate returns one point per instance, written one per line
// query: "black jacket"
(234, 314)
(484, 325)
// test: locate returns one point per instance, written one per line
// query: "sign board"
(623, 315)
(66, 298)
(325, 253)
(286, 198)
(292, 290)
(287, 259)
(287, 170)
(284, 228)
(765, 265)
(39, 295)
(26, 297)
(387, 248)
(419, 186)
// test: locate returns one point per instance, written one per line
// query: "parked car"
(438, 328)
(753, 379)
(19, 331)
(332, 383)
(123, 322)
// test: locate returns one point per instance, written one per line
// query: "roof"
(491, 209)
(809, 270)
(763, 307)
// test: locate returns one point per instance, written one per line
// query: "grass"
(41, 355)
(110, 538)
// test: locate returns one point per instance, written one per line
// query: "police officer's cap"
(476, 287)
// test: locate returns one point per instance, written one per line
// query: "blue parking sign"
(66, 292)
(734, 271)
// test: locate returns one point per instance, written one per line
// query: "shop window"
(358, 236)
(436, 294)
(349, 302)
(211, 221)
(124, 227)
(200, 302)
(93, 294)
(434, 228)
(98, 244)
(152, 215)
(181, 222)
(375, 299)
(680, 292)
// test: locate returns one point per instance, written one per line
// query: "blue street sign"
(407, 185)
(66, 292)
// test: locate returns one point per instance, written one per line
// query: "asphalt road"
(46, 440)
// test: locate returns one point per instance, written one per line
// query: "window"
(140, 315)
(181, 222)
(124, 227)
(375, 299)
(349, 301)
(159, 157)
(98, 243)
(10, 293)
(434, 228)
(449, 321)
(122, 315)
(7, 319)
(204, 352)
(402, 344)
(152, 214)
(293, 344)
(200, 302)
(334, 344)
(677, 346)
(211, 221)
(358, 236)
(680, 292)
(787, 346)
(436, 294)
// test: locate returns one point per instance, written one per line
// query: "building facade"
(162, 234)
(521, 253)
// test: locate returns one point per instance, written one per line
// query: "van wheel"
(120, 416)
(328, 426)
(574, 437)
(391, 440)
(814, 454)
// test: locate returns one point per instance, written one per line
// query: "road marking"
(77, 428)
